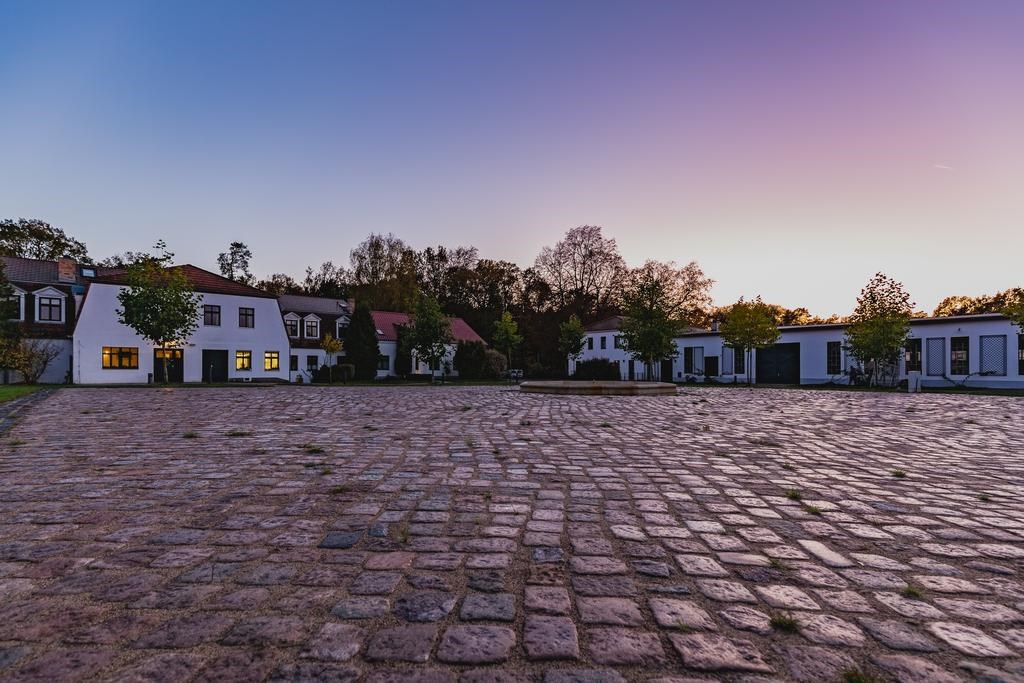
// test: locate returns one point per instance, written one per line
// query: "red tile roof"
(201, 280)
(388, 322)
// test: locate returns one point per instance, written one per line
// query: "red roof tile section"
(388, 322)
(201, 280)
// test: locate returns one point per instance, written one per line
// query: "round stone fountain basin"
(599, 388)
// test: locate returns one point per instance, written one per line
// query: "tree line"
(535, 316)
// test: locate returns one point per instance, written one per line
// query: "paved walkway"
(479, 535)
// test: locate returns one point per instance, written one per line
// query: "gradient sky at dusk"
(791, 148)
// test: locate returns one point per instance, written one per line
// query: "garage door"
(779, 364)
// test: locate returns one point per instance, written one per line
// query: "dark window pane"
(959, 360)
(740, 361)
(913, 355)
(834, 353)
(211, 315)
(246, 317)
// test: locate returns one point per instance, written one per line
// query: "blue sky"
(793, 149)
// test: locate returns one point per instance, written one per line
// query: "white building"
(984, 350)
(389, 324)
(240, 337)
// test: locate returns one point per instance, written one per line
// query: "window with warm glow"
(271, 360)
(120, 357)
(243, 360)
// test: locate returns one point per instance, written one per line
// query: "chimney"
(67, 270)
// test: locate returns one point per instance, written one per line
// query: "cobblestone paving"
(478, 535)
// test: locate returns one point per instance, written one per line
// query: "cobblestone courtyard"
(479, 535)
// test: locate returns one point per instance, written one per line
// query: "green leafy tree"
(159, 303)
(571, 338)
(879, 327)
(33, 238)
(506, 335)
(471, 360)
(123, 259)
(331, 347)
(750, 325)
(1015, 312)
(361, 348)
(234, 263)
(430, 332)
(1009, 299)
(659, 301)
(278, 284)
(647, 332)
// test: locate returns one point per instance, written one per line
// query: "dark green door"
(215, 365)
(778, 364)
(175, 365)
(666, 370)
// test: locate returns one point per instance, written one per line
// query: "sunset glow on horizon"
(793, 149)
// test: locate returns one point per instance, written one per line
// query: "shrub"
(334, 373)
(471, 360)
(597, 369)
(494, 364)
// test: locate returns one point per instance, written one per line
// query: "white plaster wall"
(56, 372)
(813, 353)
(98, 326)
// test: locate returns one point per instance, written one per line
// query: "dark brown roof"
(298, 303)
(612, 323)
(201, 280)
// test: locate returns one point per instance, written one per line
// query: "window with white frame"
(312, 328)
(49, 309)
(291, 326)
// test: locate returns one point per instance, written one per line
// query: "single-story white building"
(985, 350)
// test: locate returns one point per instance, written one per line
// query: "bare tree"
(32, 357)
(687, 290)
(383, 273)
(584, 269)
